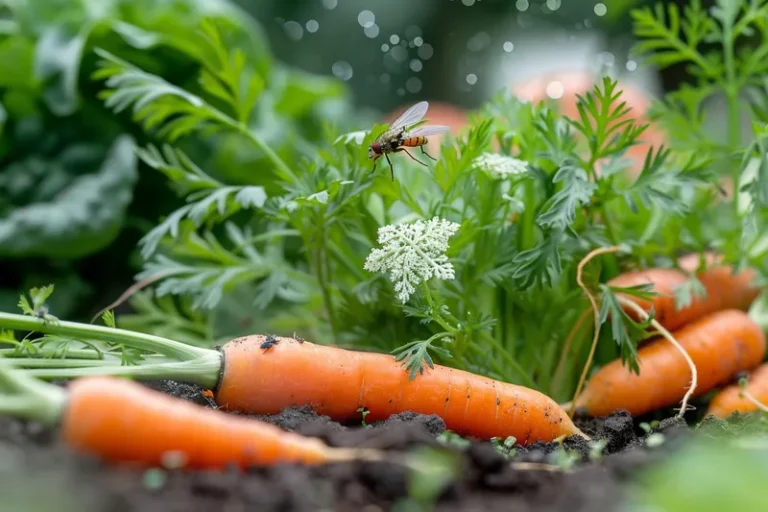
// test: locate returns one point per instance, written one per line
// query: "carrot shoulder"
(728, 401)
(721, 345)
(725, 290)
(121, 421)
(337, 382)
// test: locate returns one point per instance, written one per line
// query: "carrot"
(728, 401)
(720, 345)
(123, 422)
(337, 382)
(263, 375)
(725, 290)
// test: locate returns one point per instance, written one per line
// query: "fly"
(402, 135)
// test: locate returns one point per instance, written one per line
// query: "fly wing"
(427, 130)
(411, 116)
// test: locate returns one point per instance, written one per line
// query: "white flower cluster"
(500, 166)
(413, 253)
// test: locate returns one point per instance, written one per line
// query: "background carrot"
(121, 421)
(725, 290)
(728, 401)
(337, 382)
(720, 345)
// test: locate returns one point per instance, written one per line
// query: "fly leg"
(412, 157)
(391, 169)
(428, 155)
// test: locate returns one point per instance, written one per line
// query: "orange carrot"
(264, 375)
(728, 401)
(337, 382)
(725, 290)
(720, 345)
(122, 422)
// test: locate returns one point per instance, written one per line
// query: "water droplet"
(605, 59)
(509, 46)
(294, 30)
(394, 39)
(412, 32)
(401, 92)
(468, 3)
(342, 69)
(366, 19)
(416, 65)
(312, 26)
(588, 23)
(631, 65)
(413, 85)
(426, 52)
(478, 42)
(372, 31)
(600, 9)
(418, 41)
(471, 79)
(385, 78)
(399, 53)
(555, 89)
(329, 4)
(554, 5)
(385, 47)
(522, 5)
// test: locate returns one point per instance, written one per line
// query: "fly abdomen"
(413, 142)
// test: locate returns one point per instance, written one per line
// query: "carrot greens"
(471, 262)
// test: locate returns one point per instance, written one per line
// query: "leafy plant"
(472, 262)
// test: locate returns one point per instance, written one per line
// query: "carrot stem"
(203, 371)
(668, 336)
(167, 347)
(37, 401)
(39, 362)
(74, 353)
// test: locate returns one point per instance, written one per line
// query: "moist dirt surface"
(39, 474)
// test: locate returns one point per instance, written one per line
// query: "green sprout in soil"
(506, 447)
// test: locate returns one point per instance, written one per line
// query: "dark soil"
(31, 459)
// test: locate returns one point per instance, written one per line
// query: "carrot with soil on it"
(123, 422)
(719, 346)
(742, 397)
(332, 381)
(724, 290)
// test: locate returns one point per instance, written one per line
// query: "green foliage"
(78, 220)
(724, 52)
(470, 262)
(705, 476)
(38, 296)
(626, 332)
(71, 187)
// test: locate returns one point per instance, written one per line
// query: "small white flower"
(413, 253)
(500, 166)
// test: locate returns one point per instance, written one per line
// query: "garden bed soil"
(32, 460)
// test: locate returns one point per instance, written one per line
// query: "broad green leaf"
(82, 219)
